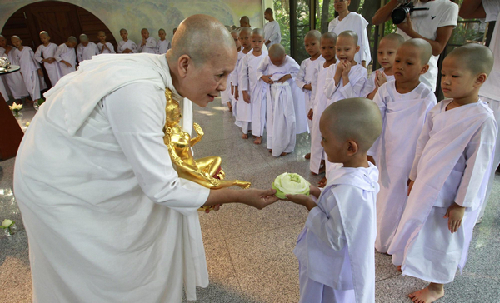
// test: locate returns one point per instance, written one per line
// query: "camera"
(404, 8)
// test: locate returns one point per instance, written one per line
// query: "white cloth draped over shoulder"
(86, 52)
(67, 54)
(101, 201)
(281, 120)
(49, 51)
(403, 117)
(15, 80)
(336, 245)
(452, 164)
(356, 23)
(29, 67)
(319, 105)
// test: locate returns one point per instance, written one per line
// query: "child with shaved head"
(231, 87)
(14, 81)
(148, 44)
(126, 45)
(86, 49)
(103, 46)
(404, 104)
(335, 248)
(308, 72)
(386, 52)
(286, 116)
(66, 56)
(449, 176)
(163, 44)
(243, 107)
(45, 54)
(30, 70)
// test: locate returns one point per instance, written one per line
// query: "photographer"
(434, 25)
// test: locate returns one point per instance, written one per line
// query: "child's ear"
(352, 148)
(358, 48)
(425, 68)
(480, 79)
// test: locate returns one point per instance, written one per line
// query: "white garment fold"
(67, 54)
(29, 72)
(281, 119)
(15, 80)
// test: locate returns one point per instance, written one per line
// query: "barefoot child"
(126, 45)
(103, 46)
(163, 44)
(283, 103)
(328, 51)
(386, 53)
(335, 248)
(243, 108)
(253, 90)
(45, 54)
(346, 78)
(148, 44)
(352, 21)
(86, 50)
(404, 104)
(449, 176)
(307, 73)
(30, 70)
(66, 56)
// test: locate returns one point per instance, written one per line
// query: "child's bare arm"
(285, 78)
(455, 213)
(303, 200)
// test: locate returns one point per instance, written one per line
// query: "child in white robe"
(308, 73)
(126, 45)
(4, 86)
(103, 46)
(45, 54)
(404, 104)
(163, 44)
(148, 44)
(280, 71)
(386, 52)
(335, 248)
(449, 176)
(346, 78)
(66, 56)
(14, 81)
(328, 52)
(86, 50)
(29, 68)
(352, 21)
(254, 90)
(243, 108)
(230, 88)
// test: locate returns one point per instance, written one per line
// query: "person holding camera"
(431, 20)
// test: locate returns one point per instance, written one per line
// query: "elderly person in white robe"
(107, 218)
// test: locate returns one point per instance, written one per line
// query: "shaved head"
(277, 51)
(245, 21)
(314, 34)
(269, 10)
(44, 33)
(329, 36)
(72, 39)
(476, 57)
(15, 38)
(201, 37)
(395, 37)
(424, 48)
(84, 38)
(101, 33)
(247, 30)
(356, 119)
(258, 31)
(144, 29)
(349, 34)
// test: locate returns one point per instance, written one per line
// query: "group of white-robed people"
(107, 217)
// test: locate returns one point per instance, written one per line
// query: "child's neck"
(162, 39)
(103, 42)
(20, 48)
(388, 71)
(257, 54)
(315, 56)
(46, 44)
(471, 98)
(246, 50)
(343, 15)
(125, 40)
(358, 160)
(406, 87)
(330, 62)
(238, 49)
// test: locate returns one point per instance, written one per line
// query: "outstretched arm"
(384, 13)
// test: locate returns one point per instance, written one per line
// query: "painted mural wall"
(154, 14)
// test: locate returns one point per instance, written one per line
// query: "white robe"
(4, 86)
(307, 75)
(272, 32)
(244, 114)
(403, 117)
(102, 50)
(15, 80)
(319, 105)
(101, 202)
(67, 54)
(370, 84)
(164, 46)
(452, 164)
(335, 248)
(356, 23)
(29, 72)
(49, 51)
(249, 80)
(86, 52)
(122, 45)
(234, 83)
(150, 47)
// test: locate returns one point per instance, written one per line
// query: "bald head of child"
(312, 42)
(387, 49)
(3, 41)
(45, 38)
(244, 37)
(71, 42)
(277, 54)
(162, 34)
(348, 129)
(411, 61)
(17, 42)
(464, 71)
(101, 36)
(257, 40)
(347, 46)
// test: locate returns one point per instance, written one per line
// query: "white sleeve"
(352, 90)
(300, 79)
(276, 33)
(330, 26)
(366, 54)
(38, 54)
(330, 86)
(449, 15)
(422, 141)
(479, 157)
(59, 52)
(243, 74)
(262, 69)
(137, 120)
(492, 8)
(314, 84)
(382, 106)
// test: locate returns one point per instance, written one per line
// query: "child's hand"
(410, 186)
(67, 63)
(310, 114)
(236, 93)
(267, 79)
(246, 96)
(314, 191)
(40, 72)
(302, 200)
(52, 60)
(307, 87)
(346, 69)
(455, 213)
(285, 78)
(381, 79)
(340, 68)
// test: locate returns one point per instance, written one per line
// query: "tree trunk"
(324, 16)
